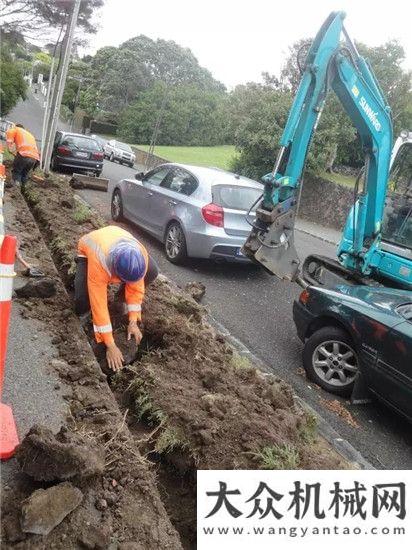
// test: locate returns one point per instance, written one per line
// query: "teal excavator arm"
(332, 63)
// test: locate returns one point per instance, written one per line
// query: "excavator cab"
(396, 231)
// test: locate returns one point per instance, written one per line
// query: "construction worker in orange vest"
(22, 145)
(112, 255)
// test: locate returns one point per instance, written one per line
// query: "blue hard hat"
(127, 261)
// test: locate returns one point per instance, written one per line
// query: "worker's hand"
(133, 330)
(114, 357)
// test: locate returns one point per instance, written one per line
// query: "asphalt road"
(257, 309)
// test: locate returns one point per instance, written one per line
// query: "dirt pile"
(48, 457)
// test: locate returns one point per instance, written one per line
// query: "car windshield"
(123, 146)
(397, 220)
(235, 197)
(81, 142)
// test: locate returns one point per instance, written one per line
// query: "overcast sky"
(238, 39)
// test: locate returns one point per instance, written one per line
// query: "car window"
(180, 181)
(155, 177)
(123, 146)
(235, 197)
(81, 142)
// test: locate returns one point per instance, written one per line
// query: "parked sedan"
(122, 152)
(76, 152)
(358, 329)
(196, 212)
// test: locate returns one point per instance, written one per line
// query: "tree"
(189, 116)
(121, 74)
(257, 114)
(30, 17)
(13, 86)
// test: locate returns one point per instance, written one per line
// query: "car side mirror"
(139, 176)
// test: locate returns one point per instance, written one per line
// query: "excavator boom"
(332, 63)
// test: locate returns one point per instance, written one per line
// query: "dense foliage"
(188, 116)
(257, 113)
(12, 86)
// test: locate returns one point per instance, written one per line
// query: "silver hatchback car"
(196, 212)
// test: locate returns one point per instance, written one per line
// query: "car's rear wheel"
(54, 166)
(330, 360)
(175, 244)
(116, 207)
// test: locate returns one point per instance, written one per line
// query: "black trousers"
(21, 168)
(81, 292)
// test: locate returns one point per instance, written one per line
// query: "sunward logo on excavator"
(372, 116)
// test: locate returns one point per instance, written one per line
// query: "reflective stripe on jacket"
(95, 246)
(24, 141)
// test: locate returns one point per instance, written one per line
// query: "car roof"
(217, 176)
(76, 135)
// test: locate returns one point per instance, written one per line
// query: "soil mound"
(48, 457)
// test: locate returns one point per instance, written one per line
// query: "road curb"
(341, 445)
(317, 236)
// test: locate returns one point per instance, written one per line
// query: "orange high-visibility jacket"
(24, 142)
(95, 246)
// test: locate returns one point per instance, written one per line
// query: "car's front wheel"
(175, 244)
(116, 207)
(331, 361)
(111, 158)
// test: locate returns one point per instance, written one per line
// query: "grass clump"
(240, 362)
(169, 440)
(278, 457)
(31, 194)
(81, 213)
(142, 403)
(308, 429)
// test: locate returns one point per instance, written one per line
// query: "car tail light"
(64, 150)
(213, 214)
(304, 297)
(97, 156)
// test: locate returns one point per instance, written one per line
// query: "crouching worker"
(112, 255)
(22, 144)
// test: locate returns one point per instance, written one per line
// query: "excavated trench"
(189, 400)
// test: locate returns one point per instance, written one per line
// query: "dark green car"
(353, 329)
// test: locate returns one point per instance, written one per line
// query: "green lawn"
(219, 156)
(340, 179)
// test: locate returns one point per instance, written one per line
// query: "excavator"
(376, 245)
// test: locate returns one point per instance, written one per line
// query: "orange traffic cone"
(8, 433)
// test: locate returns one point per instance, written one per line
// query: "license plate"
(240, 253)
(82, 155)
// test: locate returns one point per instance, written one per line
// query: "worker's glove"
(114, 357)
(133, 330)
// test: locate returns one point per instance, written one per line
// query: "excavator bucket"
(272, 244)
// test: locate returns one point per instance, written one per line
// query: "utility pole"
(59, 88)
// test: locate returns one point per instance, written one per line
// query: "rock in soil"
(48, 457)
(40, 288)
(47, 508)
(95, 537)
(196, 289)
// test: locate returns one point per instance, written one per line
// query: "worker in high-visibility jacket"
(22, 144)
(112, 255)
